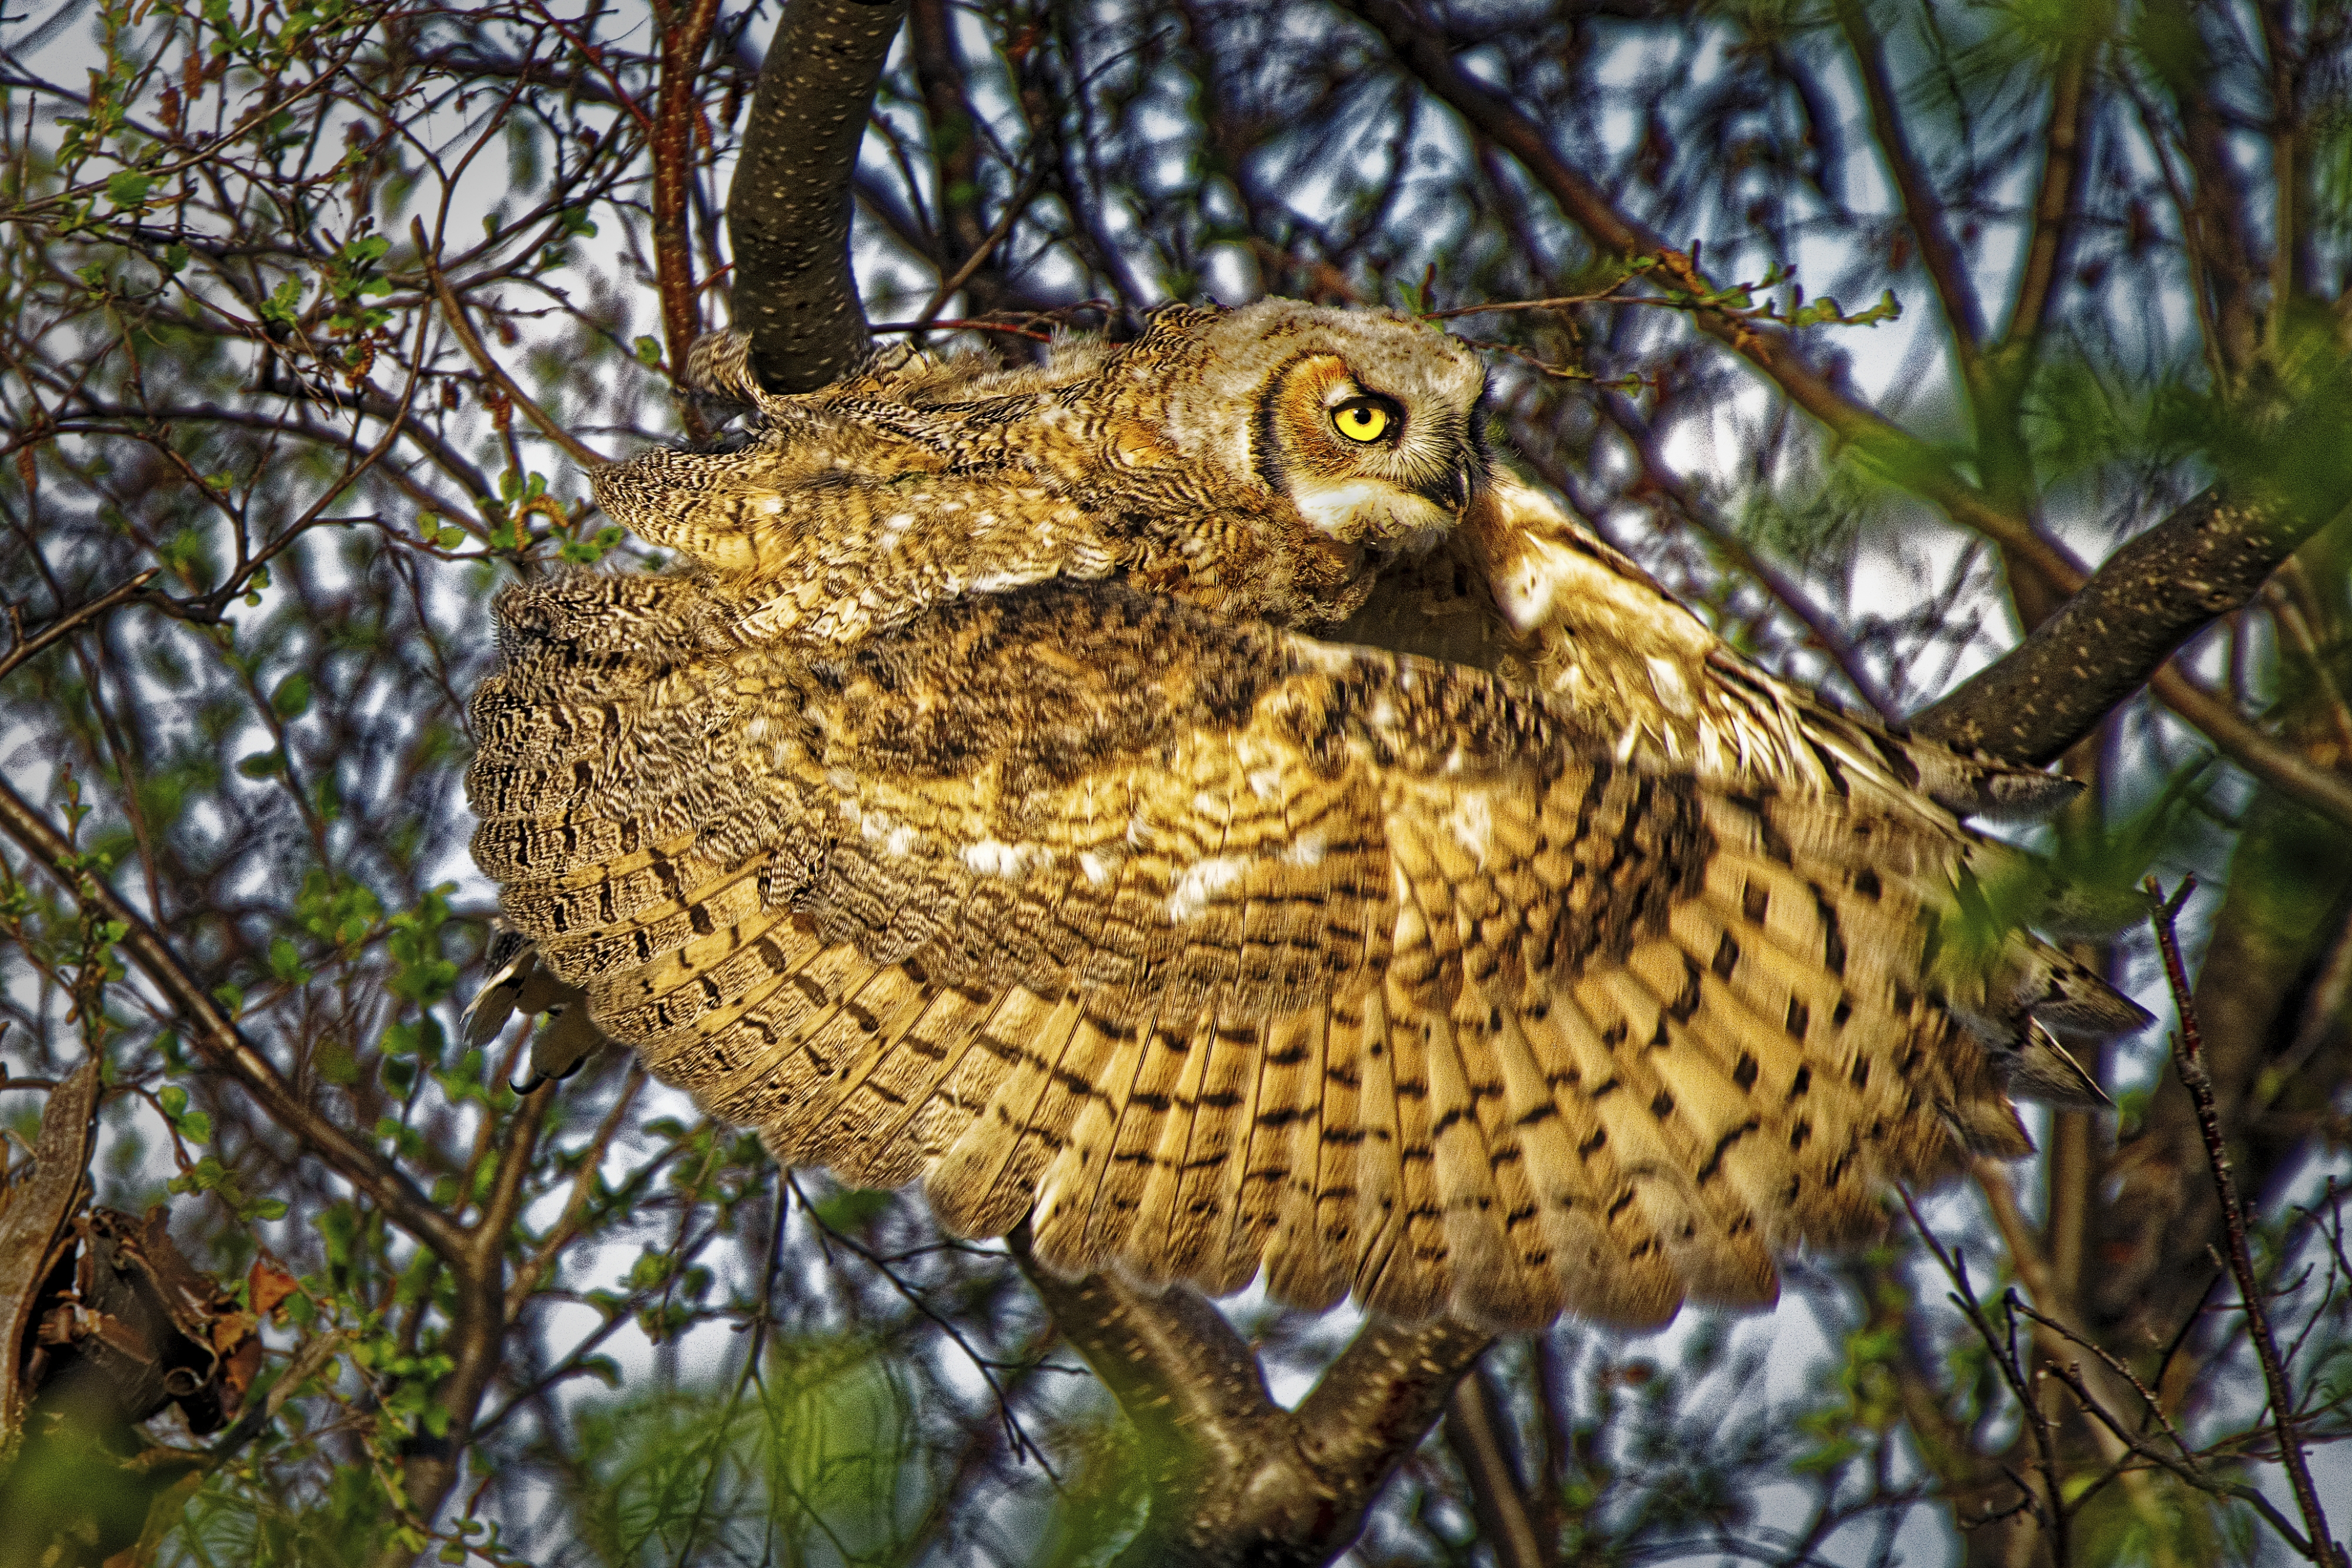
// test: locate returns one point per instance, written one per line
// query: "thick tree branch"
(1385, 1391)
(1235, 1477)
(789, 208)
(2122, 623)
(224, 1048)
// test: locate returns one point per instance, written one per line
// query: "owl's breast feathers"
(1211, 948)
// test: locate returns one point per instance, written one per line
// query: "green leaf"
(197, 1127)
(175, 258)
(1889, 308)
(286, 962)
(292, 697)
(262, 763)
(269, 1208)
(129, 188)
(174, 1101)
(284, 305)
(649, 350)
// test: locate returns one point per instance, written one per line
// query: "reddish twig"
(2188, 1060)
(685, 35)
(965, 324)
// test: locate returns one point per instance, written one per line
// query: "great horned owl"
(1001, 794)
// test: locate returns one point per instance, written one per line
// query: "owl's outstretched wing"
(1526, 591)
(1211, 948)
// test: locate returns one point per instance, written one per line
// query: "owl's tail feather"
(1605, 1141)
(1503, 1142)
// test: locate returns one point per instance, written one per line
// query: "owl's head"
(1370, 424)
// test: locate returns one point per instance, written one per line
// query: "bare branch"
(65, 623)
(1947, 267)
(2280, 767)
(2057, 201)
(2124, 622)
(685, 34)
(1235, 1477)
(1496, 1494)
(453, 312)
(2188, 1060)
(1894, 451)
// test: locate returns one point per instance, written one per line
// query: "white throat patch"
(1354, 510)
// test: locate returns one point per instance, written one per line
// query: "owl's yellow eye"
(1361, 419)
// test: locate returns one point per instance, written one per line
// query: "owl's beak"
(1450, 490)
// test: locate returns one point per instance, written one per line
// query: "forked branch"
(1235, 1477)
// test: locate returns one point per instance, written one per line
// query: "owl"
(1189, 798)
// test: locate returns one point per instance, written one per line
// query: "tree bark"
(1236, 1479)
(789, 208)
(2209, 557)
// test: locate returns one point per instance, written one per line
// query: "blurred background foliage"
(315, 310)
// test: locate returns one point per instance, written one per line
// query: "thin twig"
(2052, 1511)
(73, 618)
(1500, 307)
(2188, 1060)
(453, 313)
(981, 252)
(2187, 1465)
(224, 1048)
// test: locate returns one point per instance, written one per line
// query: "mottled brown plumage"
(990, 800)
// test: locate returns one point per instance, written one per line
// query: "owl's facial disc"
(1367, 464)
